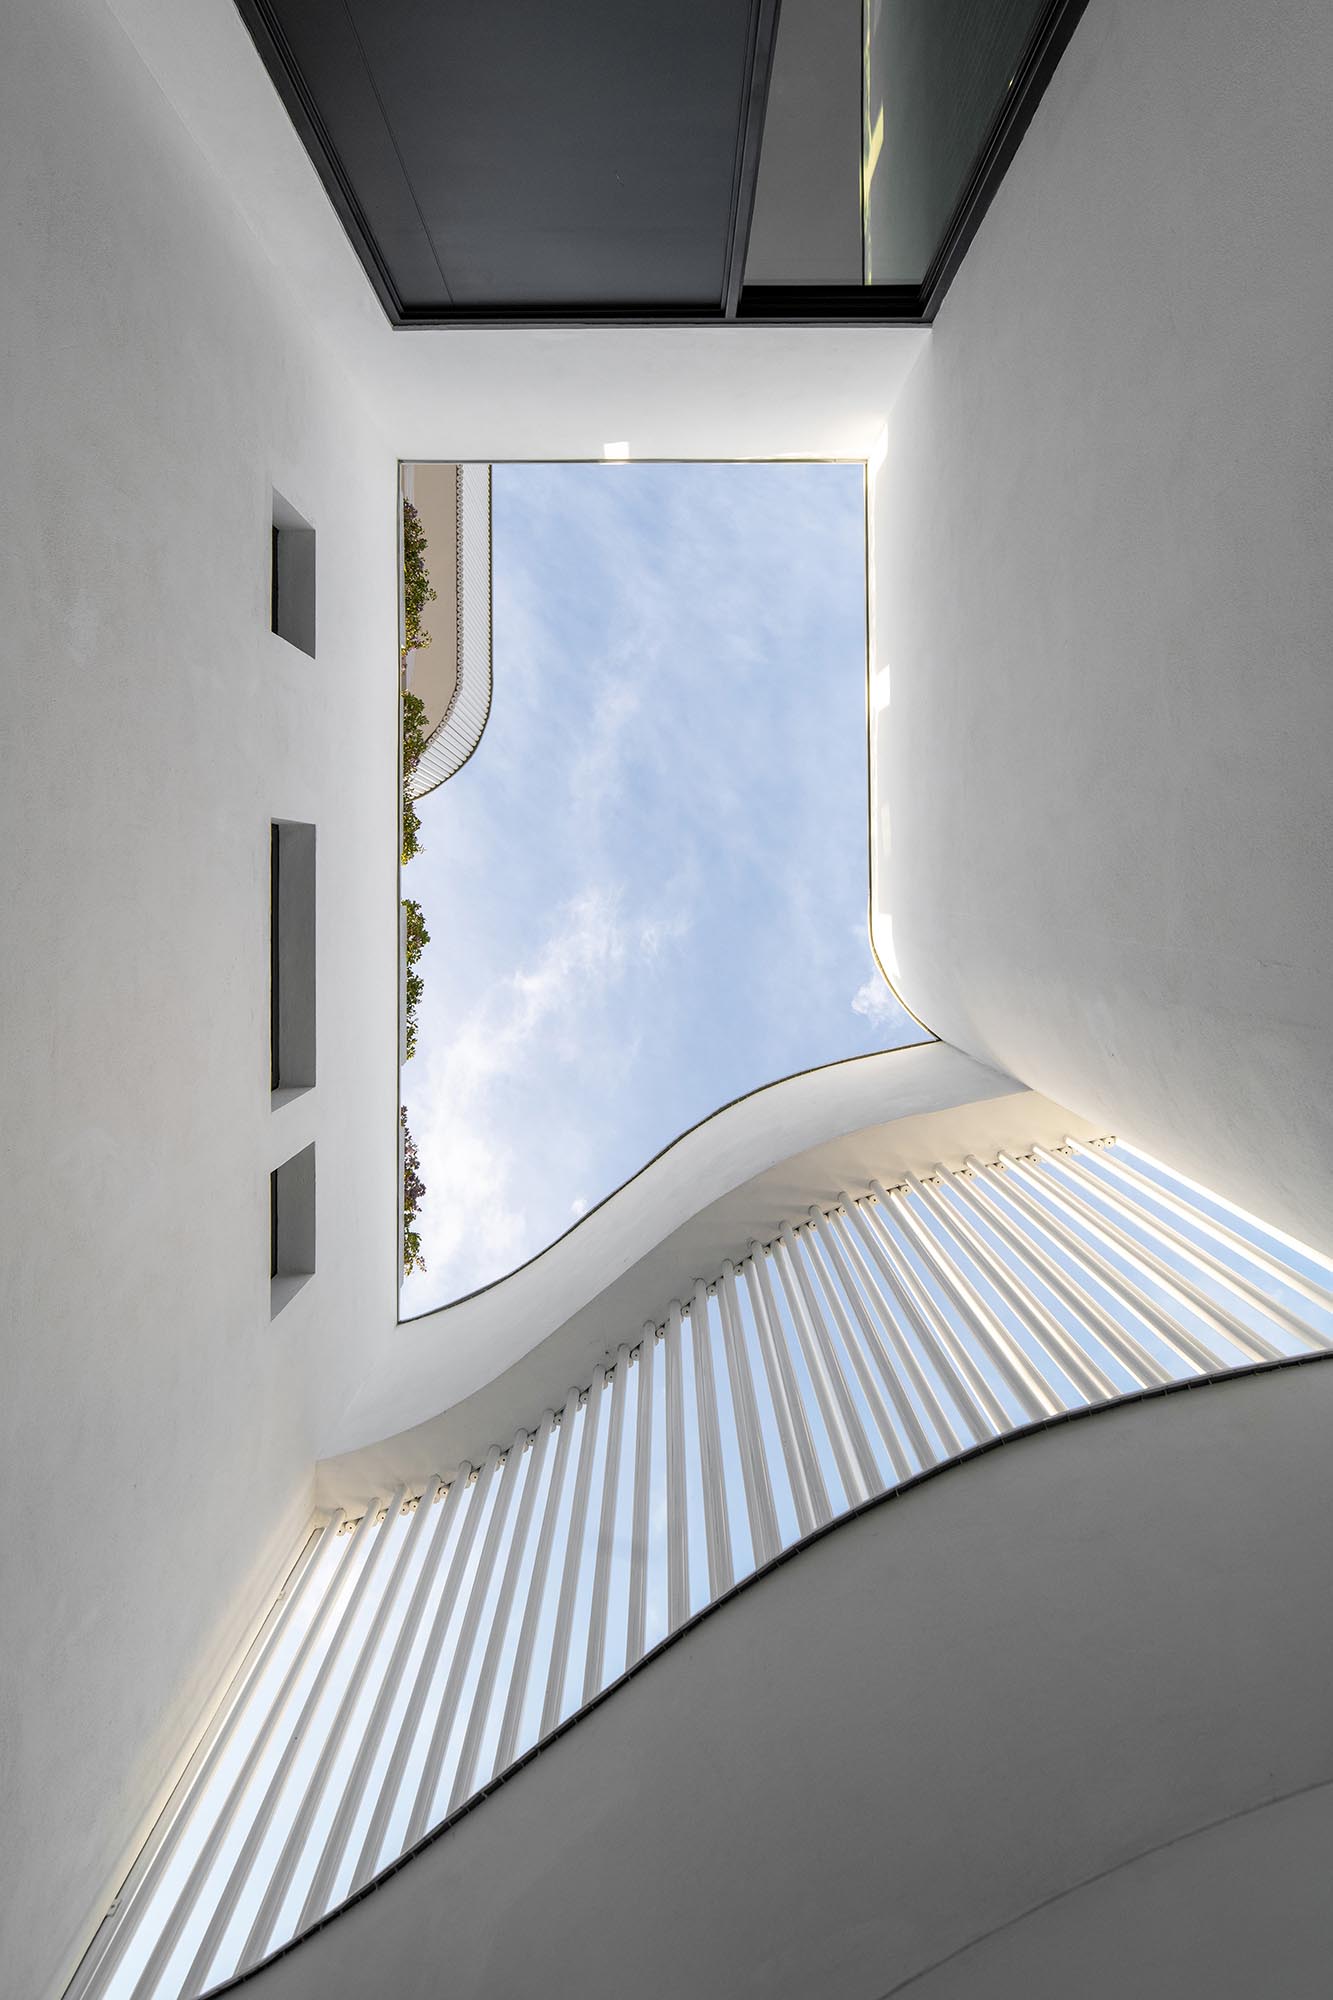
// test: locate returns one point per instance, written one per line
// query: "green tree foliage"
(418, 937)
(414, 1189)
(411, 830)
(414, 731)
(414, 742)
(417, 592)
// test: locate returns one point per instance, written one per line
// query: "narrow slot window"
(292, 578)
(274, 957)
(291, 959)
(291, 1227)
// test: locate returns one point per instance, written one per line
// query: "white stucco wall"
(984, 1739)
(456, 1379)
(1104, 608)
(1102, 591)
(673, 392)
(155, 1425)
(185, 327)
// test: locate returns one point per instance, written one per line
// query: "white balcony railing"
(459, 729)
(422, 1647)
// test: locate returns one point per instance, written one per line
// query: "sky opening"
(646, 892)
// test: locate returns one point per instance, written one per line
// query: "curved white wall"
(1085, 1646)
(157, 1426)
(700, 1200)
(1103, 605)
(673, 392)
(1235, 1910)
(1122, 897)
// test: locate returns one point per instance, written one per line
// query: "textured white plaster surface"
(185, 328)
(673, 392)
(1236, 1909)
(493, 1361)
(1104, 601)
(1104, 608)
(1057, 1661)
(442, 1358)
(156, 1428)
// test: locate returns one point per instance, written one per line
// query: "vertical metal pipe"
(392, 1782)
(196, 1978)
(1173, 1239)
(851, 1448)
(834, 1246)
(423, 1806)
(1252, 1345)
(1193, 1351)
(1032, 1393)
(293, 1847)
(1086, 1379)
(678, 1525)
(968, 1390)
(141, 1892)
(595, 1656)
(830, 1272)
(822, 1259)
(569, 1578)
(900, 1362)
(320, 1893)
(527, 1632)
(479, 1713)
(763, 1518)
(976, 1187)
(637, 1614)
(804, 1472)
(798, 1244)
(1035, 1395)
(1321, 1295)
(717, 1528)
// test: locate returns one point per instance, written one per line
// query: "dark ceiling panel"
(321, 53)
(577, 162)
(531, 152)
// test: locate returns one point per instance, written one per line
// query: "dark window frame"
(292, 577)
(292, 1190)
(739, 304)
(292, 1019)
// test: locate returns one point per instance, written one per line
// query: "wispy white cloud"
(873, 1001)
(478, 1117)
(597, 771)
(644, 890)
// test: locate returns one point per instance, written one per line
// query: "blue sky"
(646, 891)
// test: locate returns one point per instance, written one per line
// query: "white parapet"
(458, 695)
(869, 1344)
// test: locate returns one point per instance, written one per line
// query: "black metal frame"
(740, 304)
(917, 305)
(760, 43)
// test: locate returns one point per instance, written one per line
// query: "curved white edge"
(439, 1359)
(462, 393)
(1061, 1655)
(446, 1384)
(1086, 876)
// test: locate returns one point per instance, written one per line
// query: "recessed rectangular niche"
(293, 577)
(291, 1227)
(291, 959)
